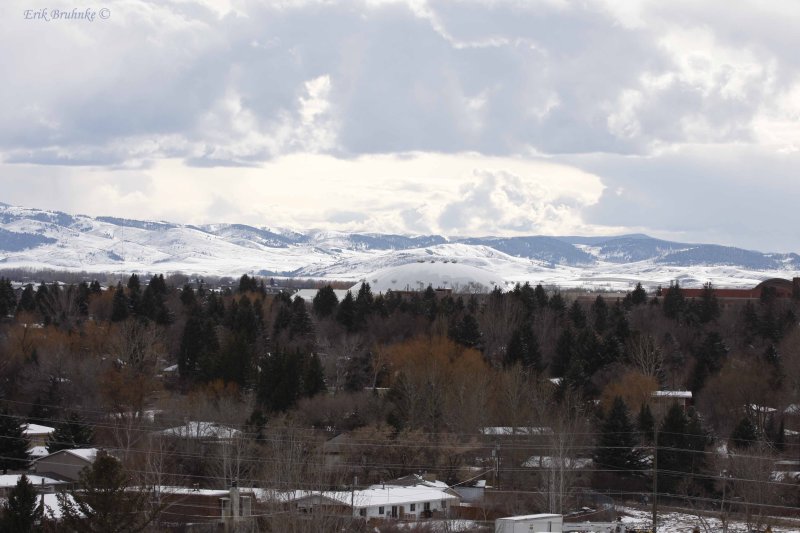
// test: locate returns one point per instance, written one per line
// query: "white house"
(379, 502)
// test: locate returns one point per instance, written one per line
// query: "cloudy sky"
(678, 119)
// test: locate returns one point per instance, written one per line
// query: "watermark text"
(88, 14)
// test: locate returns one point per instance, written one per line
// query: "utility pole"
(655, 477)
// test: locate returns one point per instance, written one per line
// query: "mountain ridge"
(36, 238)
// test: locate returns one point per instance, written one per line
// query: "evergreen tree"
(526, 296)
(27, 300)
(708, 305)
(325, 302)
(119, 306)
(313, 376)
(279, 385)
(710, 355)
(247, 284)
(82, 298)
(600, 314)
(104, 501)
(565, 346)
(674, 455)
(187, 297)
(95, 288)
(282, 320)
(524, 348)
(346, 314)
(13, 444)
(576, 315)
(540, 295)
(364, 302)
(134, 302)
(467, 332)
(300, 325)
(199, 347)
(744, 435)
(638, 295)
(70, 434)
(646, 423)
(616, 447)
(557, 303)
(21, 512)
(674, 301)
(8, 299)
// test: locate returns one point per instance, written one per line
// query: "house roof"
(36, 429)
(38, 451)
(87, 454)
(202, 430)
(546, 461)
(371, 497)
(508, 430)
(672, 394)
(10, 480)
(531, 517)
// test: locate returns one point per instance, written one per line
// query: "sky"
(462, 118)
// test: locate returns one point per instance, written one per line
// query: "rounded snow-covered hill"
(438, 274)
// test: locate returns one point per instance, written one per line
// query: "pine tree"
(82, 298)
(13, 444)
(104, 501)
(325, 302)
(524, 348)
(646, 423)
(638, 295)
(21, 512)
(710, 355)
(346, 314)
(199, 346)
(576, 315)
(8, 299)
(27, 300)
(313, 376)
(69, 434)
(364, 302)
(300, 325)
(119, 306)
(467, 332)
(708, 305)
(540, 295)
(95, 288)
(600, 314)
(565, 346)
(744, 435)
(674, 301)
(674, 456)
(616, 447)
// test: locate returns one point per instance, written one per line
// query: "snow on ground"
(671, 522)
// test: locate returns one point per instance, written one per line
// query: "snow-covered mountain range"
(34, 238)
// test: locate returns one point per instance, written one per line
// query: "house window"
(444, 504)
(426, 506)
(413, 507)
(362, 512)
(380, 509)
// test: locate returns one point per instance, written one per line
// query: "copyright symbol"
(105, 13)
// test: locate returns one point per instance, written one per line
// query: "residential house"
(65, 464)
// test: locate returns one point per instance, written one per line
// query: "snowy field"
(685, 523)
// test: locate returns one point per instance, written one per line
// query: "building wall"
(62, 464)
(419, 509)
